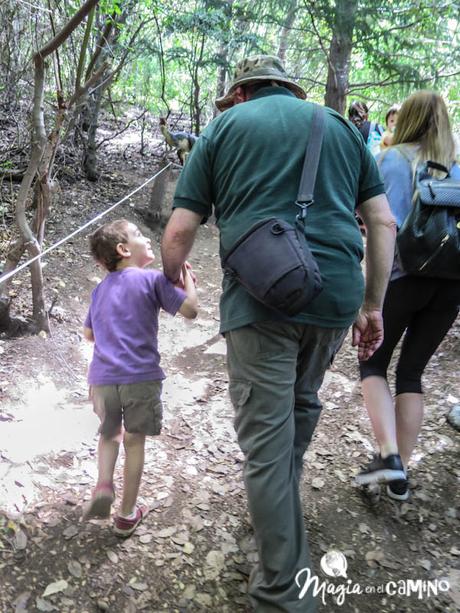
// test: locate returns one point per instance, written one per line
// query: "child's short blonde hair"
(103, 243)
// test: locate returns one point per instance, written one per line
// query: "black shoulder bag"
(428, 242)
(272, 260)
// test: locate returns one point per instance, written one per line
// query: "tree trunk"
(286, 30)
(221, 75)
(339, 55)
(5, 319)
(12, 260)
(39, 169)
(91, 118)
(196, 89)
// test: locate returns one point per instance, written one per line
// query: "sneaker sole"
(125, 533)
(394, 496)
(99, 508)
(380, 476)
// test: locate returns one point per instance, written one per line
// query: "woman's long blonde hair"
(423, 120)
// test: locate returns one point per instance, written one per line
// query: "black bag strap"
(437, 166)
(311, 161)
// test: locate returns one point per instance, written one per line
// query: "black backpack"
(428, 242)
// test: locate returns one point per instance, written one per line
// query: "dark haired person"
(391, 119)
(372, 132)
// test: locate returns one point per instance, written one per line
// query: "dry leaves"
(75, 569)
(54, 588)
(317, 483)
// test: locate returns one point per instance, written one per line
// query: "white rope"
(8, 275)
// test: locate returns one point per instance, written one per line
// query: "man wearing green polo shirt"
(246, 166)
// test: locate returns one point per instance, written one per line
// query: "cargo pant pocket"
(240, 393)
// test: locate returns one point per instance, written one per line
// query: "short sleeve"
(169, 297)
(194, 187)
(370, 180)
(397, 175)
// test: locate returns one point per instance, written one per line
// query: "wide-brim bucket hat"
(258, 68)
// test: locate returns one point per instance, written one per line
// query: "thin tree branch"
(130, 122)
(67, 29)
(84, 47)
(386, 82)
(101, 43)
(89, 83)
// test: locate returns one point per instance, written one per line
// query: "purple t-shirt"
(123, 316)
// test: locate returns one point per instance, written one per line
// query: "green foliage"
(398, 47)
(183, 51)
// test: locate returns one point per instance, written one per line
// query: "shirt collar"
(271, 90)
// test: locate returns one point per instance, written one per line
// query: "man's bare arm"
(380, 244)
(381, 233)
(177, 241)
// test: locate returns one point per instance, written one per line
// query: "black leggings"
(425, 309)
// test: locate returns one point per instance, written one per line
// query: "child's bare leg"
(107, 454)
(103, 494)
(134, 465)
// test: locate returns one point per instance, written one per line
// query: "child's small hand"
(188, 270)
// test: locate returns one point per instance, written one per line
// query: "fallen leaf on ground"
(74, 569)
(43, 605)
(20, 602)
(140, 587)
(189, 592)
(188, 548)
(54, 588)
(166, 532)
(317, 483)
(145, 539)
(112, 556)
(70, 532)
(374, 556)
(20, 540)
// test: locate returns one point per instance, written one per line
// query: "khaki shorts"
(137, 405)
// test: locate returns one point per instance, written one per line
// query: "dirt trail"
(195, 549)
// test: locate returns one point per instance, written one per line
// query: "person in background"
(390, 121)
(125, 376)
(246, 166)
(358, 114)
(422, 309)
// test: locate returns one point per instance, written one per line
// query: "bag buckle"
(302, 214)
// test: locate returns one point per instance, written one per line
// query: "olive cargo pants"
(275, 371)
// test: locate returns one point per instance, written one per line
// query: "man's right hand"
(367, 332)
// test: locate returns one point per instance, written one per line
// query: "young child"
(390, 121)
(125, 376)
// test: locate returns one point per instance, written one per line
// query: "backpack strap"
(437, 166)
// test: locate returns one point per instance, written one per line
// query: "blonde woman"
(422, 309)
